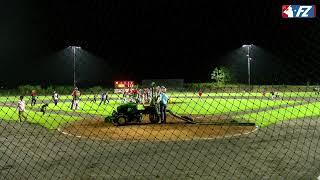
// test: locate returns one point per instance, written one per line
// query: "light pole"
(248, 55)
(74, 63)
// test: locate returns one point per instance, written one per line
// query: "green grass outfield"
(50, 121)
(266, 118)
(185, 104)
(246, 94)
(218, 106)
(173, 94)
(85, 107)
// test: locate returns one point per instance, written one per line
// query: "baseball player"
(75, 99)
(33, 97)
(21, 109)
(55, 98)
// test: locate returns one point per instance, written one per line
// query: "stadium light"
(74, 63)
(248, 55)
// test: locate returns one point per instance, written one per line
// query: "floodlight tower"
(249, 59)
(74, 63)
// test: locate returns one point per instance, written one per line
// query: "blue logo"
(298, 11)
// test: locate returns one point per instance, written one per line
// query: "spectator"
(21, 109)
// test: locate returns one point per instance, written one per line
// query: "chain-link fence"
(265, 129)
(267, 132)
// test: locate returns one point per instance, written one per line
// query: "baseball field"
(80, 144)
(236, 107)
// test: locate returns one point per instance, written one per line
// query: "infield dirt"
(174, 129)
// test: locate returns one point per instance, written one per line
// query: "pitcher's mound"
(173, 130)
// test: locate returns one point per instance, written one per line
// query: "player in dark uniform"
(106, 98)
(103, 98)
(44, 108)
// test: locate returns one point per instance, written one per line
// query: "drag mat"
(174, 129)
(209, 119)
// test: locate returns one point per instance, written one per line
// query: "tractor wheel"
(154, 118)
(120, 120)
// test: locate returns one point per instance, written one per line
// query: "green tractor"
(129, 112)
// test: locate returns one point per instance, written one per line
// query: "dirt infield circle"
(173, 130)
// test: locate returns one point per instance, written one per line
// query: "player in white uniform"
(21, 109)
(55, 98)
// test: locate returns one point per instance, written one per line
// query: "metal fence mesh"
(269, 130)
(227, 133)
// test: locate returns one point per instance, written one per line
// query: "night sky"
(135, 40)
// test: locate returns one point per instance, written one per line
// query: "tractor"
(129, 113)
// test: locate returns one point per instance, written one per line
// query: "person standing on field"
(94, 98)
(200, 93)
(163, 104)
(135, 95)
(21, 109)
(55, 98)
(107, 98)
(33, 97)
(158, 92)
(125, 97)
(103, 98)
(75, 99)
(44, 108)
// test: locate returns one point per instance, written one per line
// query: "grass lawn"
(50, 121)
(186, 106)
(218, 106)
(246, 94)
(186, 94)
(178, 105)
(266, 118)
(173, 94)
(85, 107)
(299, 94)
